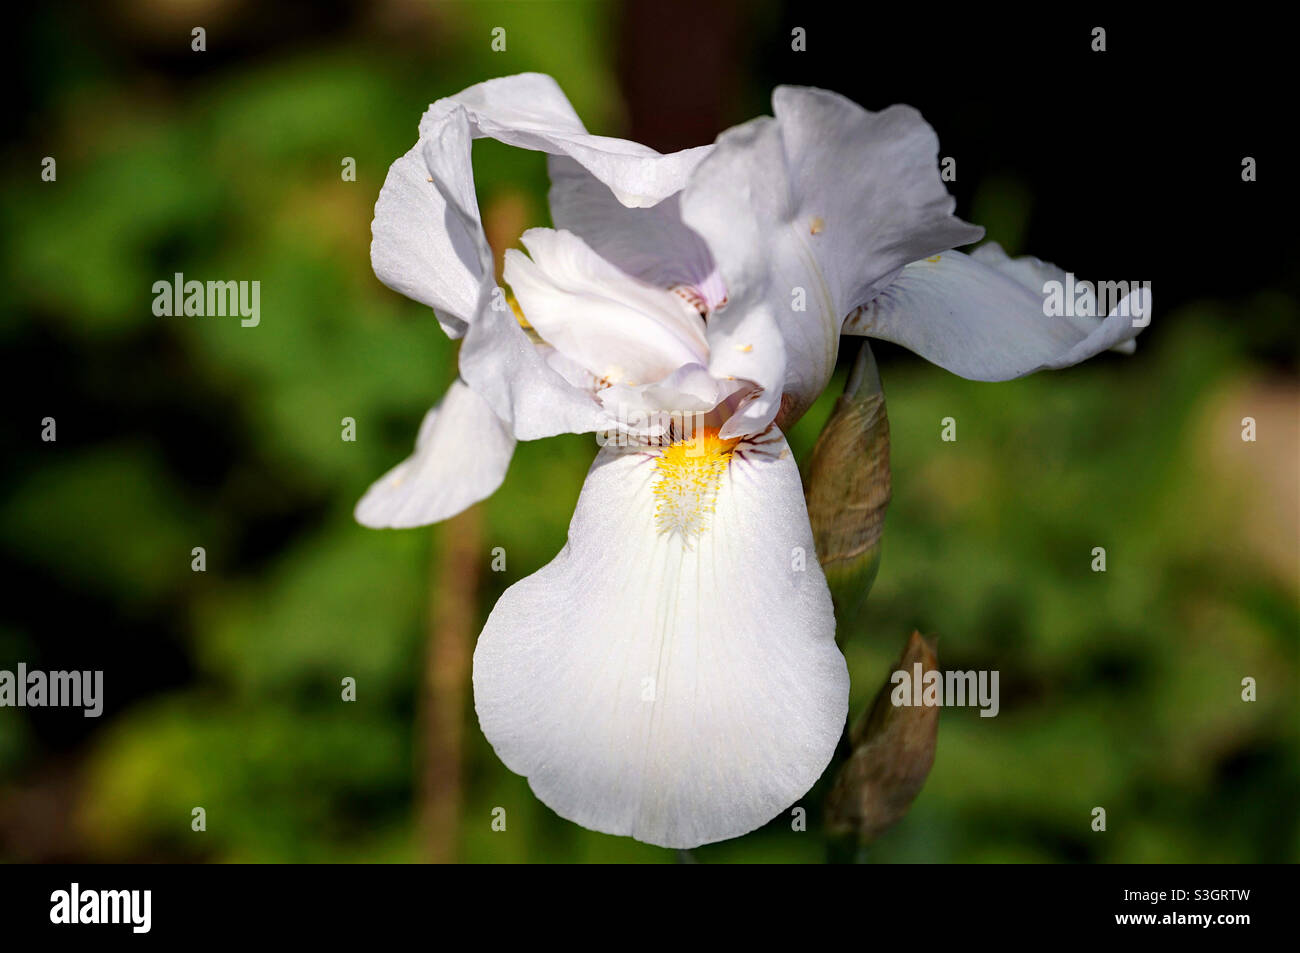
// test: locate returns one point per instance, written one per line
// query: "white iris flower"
(672, 674)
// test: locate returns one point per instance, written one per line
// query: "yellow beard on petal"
(689, 475)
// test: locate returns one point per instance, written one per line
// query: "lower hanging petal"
(461, 456)
(987, 323)
(1034, 274)
(672, 674)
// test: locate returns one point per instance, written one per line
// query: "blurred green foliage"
(1119, 689)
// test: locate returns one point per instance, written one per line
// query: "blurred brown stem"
(453, 614)
(453, 618)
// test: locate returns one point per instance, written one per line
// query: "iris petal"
(676, 681)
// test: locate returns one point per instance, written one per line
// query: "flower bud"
(893, 750)
(848, 487)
